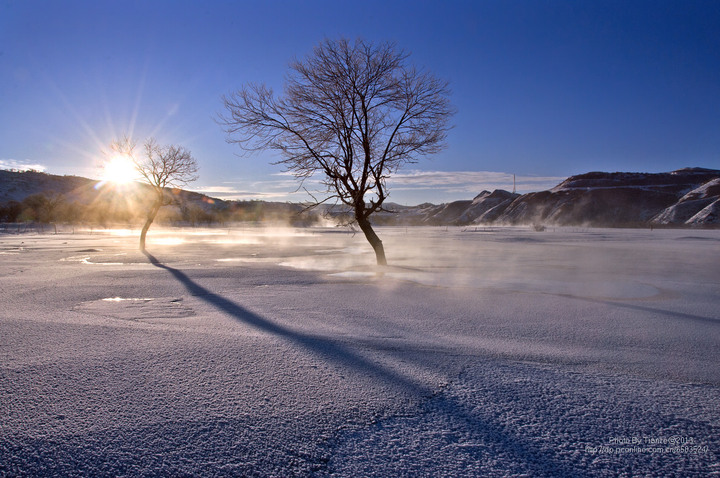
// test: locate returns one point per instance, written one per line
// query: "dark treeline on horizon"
(48, 208)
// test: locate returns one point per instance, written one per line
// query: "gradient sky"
(543, 89)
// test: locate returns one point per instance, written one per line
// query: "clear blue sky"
(543, 89)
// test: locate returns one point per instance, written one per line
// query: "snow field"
(269, 352)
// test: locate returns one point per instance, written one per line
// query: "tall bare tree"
(161, 167)
(354, 112)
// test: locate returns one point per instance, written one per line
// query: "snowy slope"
(686, 210)
(709, 215)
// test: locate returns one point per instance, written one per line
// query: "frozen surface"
(276, 352)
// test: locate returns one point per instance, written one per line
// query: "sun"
(119, 169)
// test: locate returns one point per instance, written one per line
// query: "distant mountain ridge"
(687, 197)
(624, 199)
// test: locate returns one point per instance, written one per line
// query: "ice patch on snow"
(240, 259)
(120, 299)
(86, 260)
(129, 308)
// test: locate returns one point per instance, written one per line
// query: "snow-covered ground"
(274, 352)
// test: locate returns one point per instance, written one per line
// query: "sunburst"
(119, 169)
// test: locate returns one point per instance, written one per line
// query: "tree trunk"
(374, 241)
(151, 217)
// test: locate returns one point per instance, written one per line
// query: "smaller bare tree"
(161, 167)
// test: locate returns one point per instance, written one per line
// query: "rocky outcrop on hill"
(489, 206)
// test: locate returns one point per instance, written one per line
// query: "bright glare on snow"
(121, 232)
(167, 241)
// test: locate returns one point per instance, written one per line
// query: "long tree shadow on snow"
(523, 449)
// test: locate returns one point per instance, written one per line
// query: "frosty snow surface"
(281, 352)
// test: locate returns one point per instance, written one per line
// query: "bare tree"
(161, 167)
(353, 112)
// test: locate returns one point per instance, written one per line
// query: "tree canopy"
(352, 113)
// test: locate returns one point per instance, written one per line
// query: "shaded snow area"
(273, 352)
